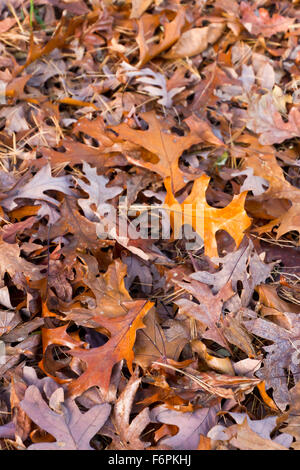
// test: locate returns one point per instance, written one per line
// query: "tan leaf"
(246, 439)
(138, 7)
(128, 433)
(195, 40)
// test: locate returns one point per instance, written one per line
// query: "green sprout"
(34, 15)
(221, 160)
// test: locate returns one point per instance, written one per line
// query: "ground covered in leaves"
(124, 325)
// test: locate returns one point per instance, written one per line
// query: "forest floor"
(150, 220)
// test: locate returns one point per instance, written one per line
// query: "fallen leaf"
(220, 364)
(139, 7)
(293, 417)
(172, 32)
(36, 187)
(100, 361)
(166, 146)
(98, 191)
(152, 344)
(195, 40)
(242, 266)
(204, 219)
(12, 263)
(279, 188)
(154, 83)
(260, 22)
(191, 425)
(109, 291)
(265, 119)
(250, 435)
(281, 356)
(72, 429)
(253, 183)
(128, 431)
(208, 311)
(61, 36)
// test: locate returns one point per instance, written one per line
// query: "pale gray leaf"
(282, 355)
(35, 188)
(72, 429)
(98, 191)
(156, 84)
(243, 265)
(253, 183)
(191, 425)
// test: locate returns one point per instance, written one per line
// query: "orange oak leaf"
(100, 361)
(76, 152)
(94, 128)
(204, 219)
(158, 140)
(52, 337)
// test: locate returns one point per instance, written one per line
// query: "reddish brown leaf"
(100, 361)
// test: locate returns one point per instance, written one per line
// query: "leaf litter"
(123, 324)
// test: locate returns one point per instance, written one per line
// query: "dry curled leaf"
(172, 30)
(128, 432)
(196, 40)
